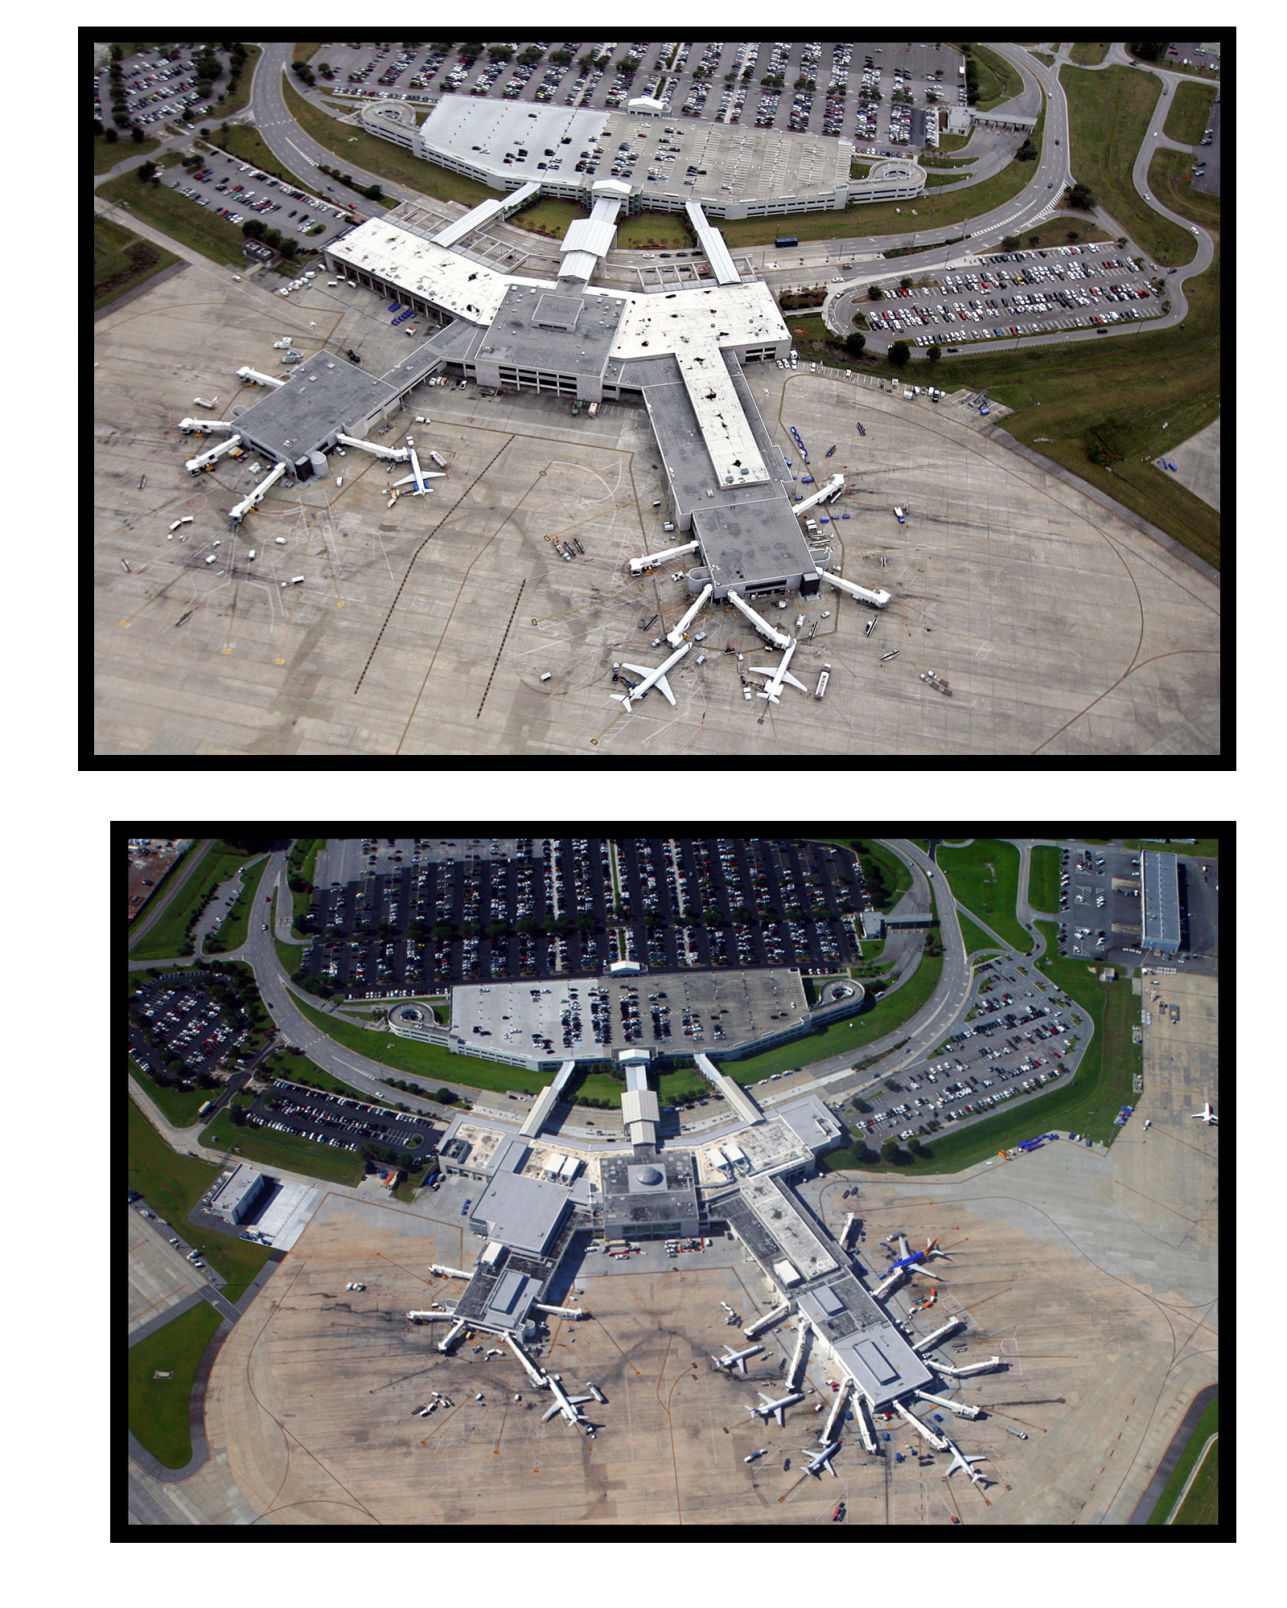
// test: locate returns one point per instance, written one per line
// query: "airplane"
(735, 1359)
(1206, 1115)
(910, 1258)
(563, 1403)
(960, 1460)
(418, 475)
(769, 1408)
(778, 676)
(651, 678)
(822, 1460)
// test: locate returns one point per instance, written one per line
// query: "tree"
(147, 171)
(900, 354)
(905, 283)
(889, 1151)
(1081, 197)
(933, 353)
(499, 53)
(875, 293)
(1010, 243)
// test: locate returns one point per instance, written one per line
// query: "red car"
(839, 1513)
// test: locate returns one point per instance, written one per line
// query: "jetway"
(256, 378)
(431, 1317)
(676, 636)
(844, 1232)
(195, 465)
(452, 1336)
(950, 1327)
(393, 454)
(973, 1368)
(960, 1408)
(835, 1416)
(896, 1277)
(237, 514)
(863, 1422)
(204, 426)
(876, 599)
(821, 495)
(779, 639)
(529, 1367)
(767, 1321)
(574, 1313)
(445, 1272)
(797, 1361)
(639, 565)
(935, 1440)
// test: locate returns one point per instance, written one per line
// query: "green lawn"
(172, 1185)
(974, 936)
(1043, 878)
(158, 1408)
(1190, 112)
(179, 1107)
(123, 261)
(985, 877)
(303, 860)
(299, 1069)
(167, 936)
(382, 158)
(998, 80)
(199, 228)
(660, 229)
(265, 1148)
(1086, 54)
(1202, 1504)
(233, 931)
(1207, 1425)
(107, 153)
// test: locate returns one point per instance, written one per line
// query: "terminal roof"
(323, 395)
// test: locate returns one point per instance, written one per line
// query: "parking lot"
(237, 191)
(343, 1122)
(1099, 906)
(876, 95)
(157, 91)
(173, 1019)
(1012, 294)
(548, 909)
(1017, 1035)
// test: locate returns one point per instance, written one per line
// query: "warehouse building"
(1160, 898)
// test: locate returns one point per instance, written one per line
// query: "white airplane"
(960, 1460)
(563, 1403)
(823, 1460)
(651, 678)
(1206, 1115)
(911, 1258)
(772, 691)
(769, 1408)
(735, 1359)
(418, 476)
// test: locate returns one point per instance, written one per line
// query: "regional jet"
(960, 1460)
(1206, 1115)
(769, 1408)
(735, 1359)
(418, 475)
(823, 1460)
(651, 678)
(565, 1404)
(776, 677)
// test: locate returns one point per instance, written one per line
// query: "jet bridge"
(393, 454)
(935, 1439)
(649, 560)
(877, 599)
(962, 1409)
(779, 639)
(194, 466)
(973, 1368)
(767, 1321)
(245, 372)
(245, 506)
(836, 1415)
(821, 495)
(204, 426)
(930, 1340)
(676, 636)
(861, 1409)
(797, 1361)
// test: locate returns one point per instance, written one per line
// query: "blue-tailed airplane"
(911, 1258)
(418, 475)
(822, 1460)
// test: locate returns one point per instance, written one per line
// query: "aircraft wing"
(758, 670)
(550, 1412)
(406, 480)
(639, 669)
(663, 688)
(787, 676)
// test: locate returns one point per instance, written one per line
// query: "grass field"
(974, 936)
(985, 877)
(178, 1106)
(1054, 231)
(158, 1408)
(1202, 1504)
(174, 215)
(1043, 878)
(266, 1148)
(998, 80)
(172, 1185)
(663, 229)
(216, 866)
(303, 858)
(300, 1069)
(1086, 54)
(1190, 112)
(123, 261)
(107, 153)
(1207, 1425)
(381, 158)
(247, 144)
(233, 931)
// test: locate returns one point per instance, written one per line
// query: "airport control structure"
(539, 1200)
(741, 524)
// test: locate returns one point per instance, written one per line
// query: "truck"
(820, 691)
